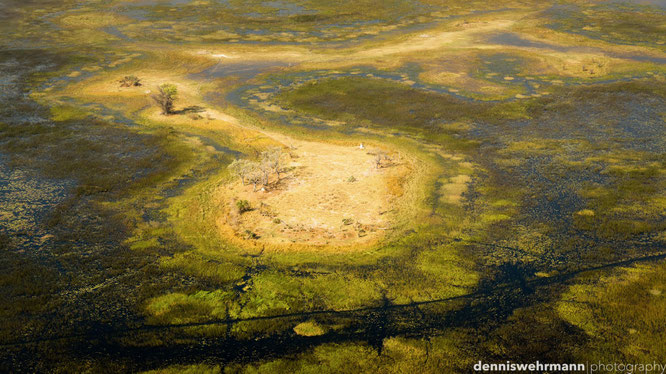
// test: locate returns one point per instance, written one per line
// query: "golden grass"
(316, 203)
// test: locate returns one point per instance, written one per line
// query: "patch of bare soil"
(329, 195)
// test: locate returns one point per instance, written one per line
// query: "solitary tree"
(165, 97)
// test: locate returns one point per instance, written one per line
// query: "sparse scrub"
(380, 156)
(258, 172)
(130, 81)
(251, 235)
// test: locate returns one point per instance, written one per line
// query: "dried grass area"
(331, 195)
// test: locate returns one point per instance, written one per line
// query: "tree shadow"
(190, 109)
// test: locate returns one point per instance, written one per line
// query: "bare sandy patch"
(330, 195)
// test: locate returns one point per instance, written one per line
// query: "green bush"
(251, 235)
(243, 206)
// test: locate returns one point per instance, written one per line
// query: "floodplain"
(338, 187)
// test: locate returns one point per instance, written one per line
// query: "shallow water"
(515, 40)
(25, 202)
(286, 9)
(113, 30)
(245, 70)
(507, 38)
(655, 3)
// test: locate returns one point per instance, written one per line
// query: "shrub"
(347, 221)
(243, 206)
(251, 235)
(130, 81)
(351, 179)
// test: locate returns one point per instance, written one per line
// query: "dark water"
(244, 70)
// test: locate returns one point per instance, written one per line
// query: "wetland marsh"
(339, 187)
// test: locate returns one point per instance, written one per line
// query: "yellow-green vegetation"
(180, 308)
(309, 328)
(439, 354)
(622, 313)
(205, 21)
(395, 107)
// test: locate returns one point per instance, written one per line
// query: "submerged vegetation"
(486, 181)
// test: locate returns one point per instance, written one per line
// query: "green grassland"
(110, 253)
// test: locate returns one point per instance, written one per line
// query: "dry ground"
(317, 202)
